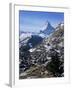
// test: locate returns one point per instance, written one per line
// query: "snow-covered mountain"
(47, 29)
(60, 26)
(45, 59)
(32, 38)
(24, 35)
(23, 38)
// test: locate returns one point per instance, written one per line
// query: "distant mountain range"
(32, 38)
(36, 37)
(45, 30)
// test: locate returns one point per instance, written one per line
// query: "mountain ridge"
(37, 62)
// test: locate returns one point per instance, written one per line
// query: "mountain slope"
(46, 59)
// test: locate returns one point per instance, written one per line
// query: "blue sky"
(33, 21)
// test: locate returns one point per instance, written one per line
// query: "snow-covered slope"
(23, 38)
(47, 29)
(25, 35)
(60, 26)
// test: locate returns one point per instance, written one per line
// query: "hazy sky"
(33, 21)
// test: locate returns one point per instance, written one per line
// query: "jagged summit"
(47, 28)
(45, 25)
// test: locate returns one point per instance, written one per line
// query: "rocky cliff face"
(46, 59)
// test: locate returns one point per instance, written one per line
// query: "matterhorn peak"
(47, 28)
(47, 23)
